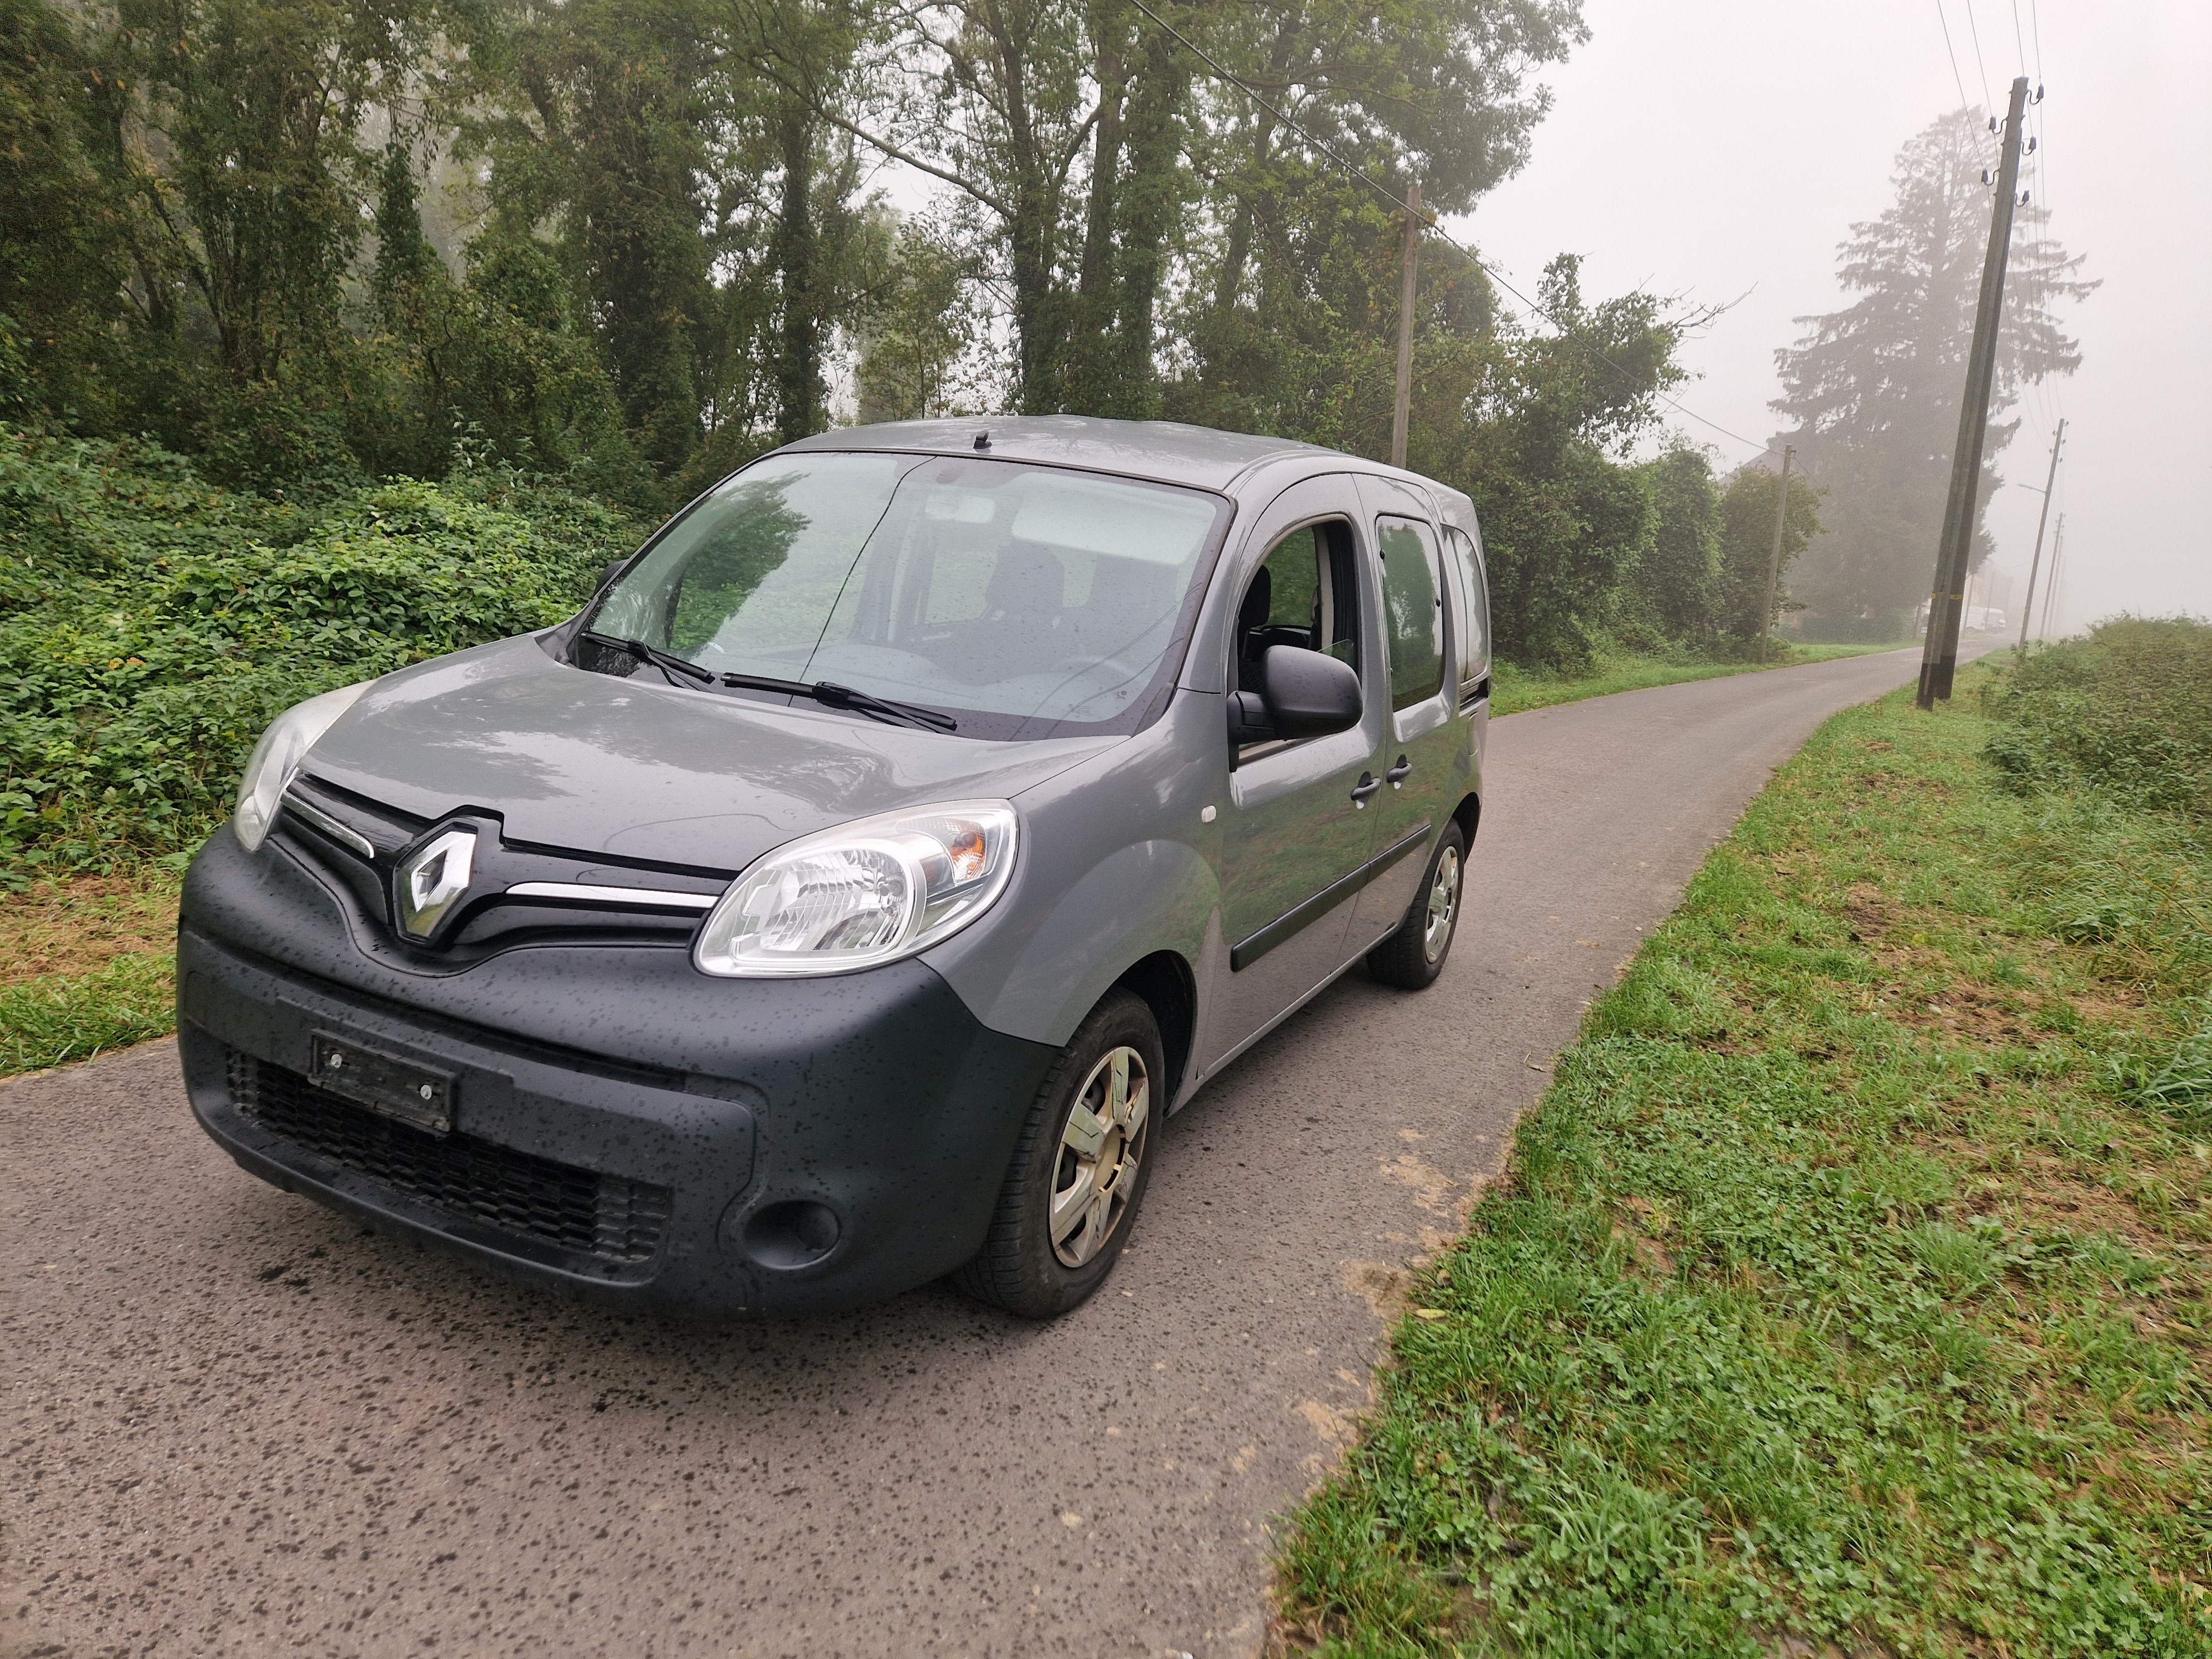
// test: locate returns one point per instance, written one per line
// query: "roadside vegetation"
(152, 623)
(1847, 1291)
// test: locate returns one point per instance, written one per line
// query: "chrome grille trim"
(630, 898)
(352, 839)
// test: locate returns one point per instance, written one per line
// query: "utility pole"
(1774, 560)
(1401, 414)
(2043, 518)
(1938, 654)
(2050, 591)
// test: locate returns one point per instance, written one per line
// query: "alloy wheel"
(1444, 904)
(1102, 1146)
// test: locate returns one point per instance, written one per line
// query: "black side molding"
(1245, 953)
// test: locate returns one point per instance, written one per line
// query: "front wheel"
(1079, 1170)
(1412, 957)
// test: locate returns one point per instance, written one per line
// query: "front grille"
(491, 920)
(515, 1192)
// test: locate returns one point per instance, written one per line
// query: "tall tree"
(1296, 319)
(1023, 107)
(64, 249)
(1555, 410)
(1871, 391)
(1746, 549)
(605, 148)
(1677, 578)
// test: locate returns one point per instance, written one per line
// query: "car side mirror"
(607, 571)
(1303, 694)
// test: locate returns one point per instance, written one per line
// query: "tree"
(1555, 408)
(1872, 391)
(1678, 578)
(1291, 322)
(921, 327)
(1019, 105)
(1746, 549)
(63, 256)
(601, 141)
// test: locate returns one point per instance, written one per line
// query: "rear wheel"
(1412, 957)
(1079, 1170)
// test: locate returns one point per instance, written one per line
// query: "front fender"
(1157, 896)
(1119, 861)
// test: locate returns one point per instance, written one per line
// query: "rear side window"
(1413, 609)
(1471, 610)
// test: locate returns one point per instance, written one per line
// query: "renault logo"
(432, 880)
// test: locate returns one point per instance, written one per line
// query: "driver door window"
(1305, 594)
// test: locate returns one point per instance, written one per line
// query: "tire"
(1412, 957)
(1022, 1266)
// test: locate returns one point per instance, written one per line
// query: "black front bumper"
(625, 1127)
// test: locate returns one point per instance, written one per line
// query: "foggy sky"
(1723, 148)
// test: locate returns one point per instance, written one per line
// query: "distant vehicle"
(843, 896)
(1985, 619)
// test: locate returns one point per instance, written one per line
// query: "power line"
(1974, 33)
(1957, 79)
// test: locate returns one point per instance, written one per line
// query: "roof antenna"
(982, 440)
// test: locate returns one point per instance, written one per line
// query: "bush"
(151, 624)
(2126, 710)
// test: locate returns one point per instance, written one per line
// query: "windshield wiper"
(828, 692)
(667, 662)
(830, 695)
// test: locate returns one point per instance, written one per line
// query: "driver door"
(1297, 827)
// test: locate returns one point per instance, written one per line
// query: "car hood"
(633, 769)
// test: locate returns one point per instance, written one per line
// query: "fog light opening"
(792, 1234)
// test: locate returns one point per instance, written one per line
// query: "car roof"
(1167, 451)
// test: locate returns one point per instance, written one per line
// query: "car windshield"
(1023, 601)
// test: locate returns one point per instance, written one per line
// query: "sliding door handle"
(1396, 775)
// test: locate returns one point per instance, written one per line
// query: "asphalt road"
(239, 1426)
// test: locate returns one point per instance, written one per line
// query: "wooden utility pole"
(2042, 518)
(1939, 654)
(1774, 559)
(1401, 413)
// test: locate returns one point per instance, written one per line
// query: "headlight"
(277, 760)
(866, 892)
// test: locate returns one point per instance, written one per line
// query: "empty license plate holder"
(420, 1096)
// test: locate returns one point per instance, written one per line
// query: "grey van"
(842, 898)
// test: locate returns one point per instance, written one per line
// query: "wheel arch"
(1468, 816)
(1166, 984)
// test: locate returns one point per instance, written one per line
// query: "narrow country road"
(239, 1426)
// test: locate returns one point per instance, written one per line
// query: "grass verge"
(60, 1017)
(86, 965)
(1847, 1293)
(1516, 689)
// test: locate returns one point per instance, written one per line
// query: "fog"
(1720, 150)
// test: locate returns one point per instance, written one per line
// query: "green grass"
(65, 1016)
(1514, 689)
(1847, 1292)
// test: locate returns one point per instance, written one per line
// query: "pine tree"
(1872, 391)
